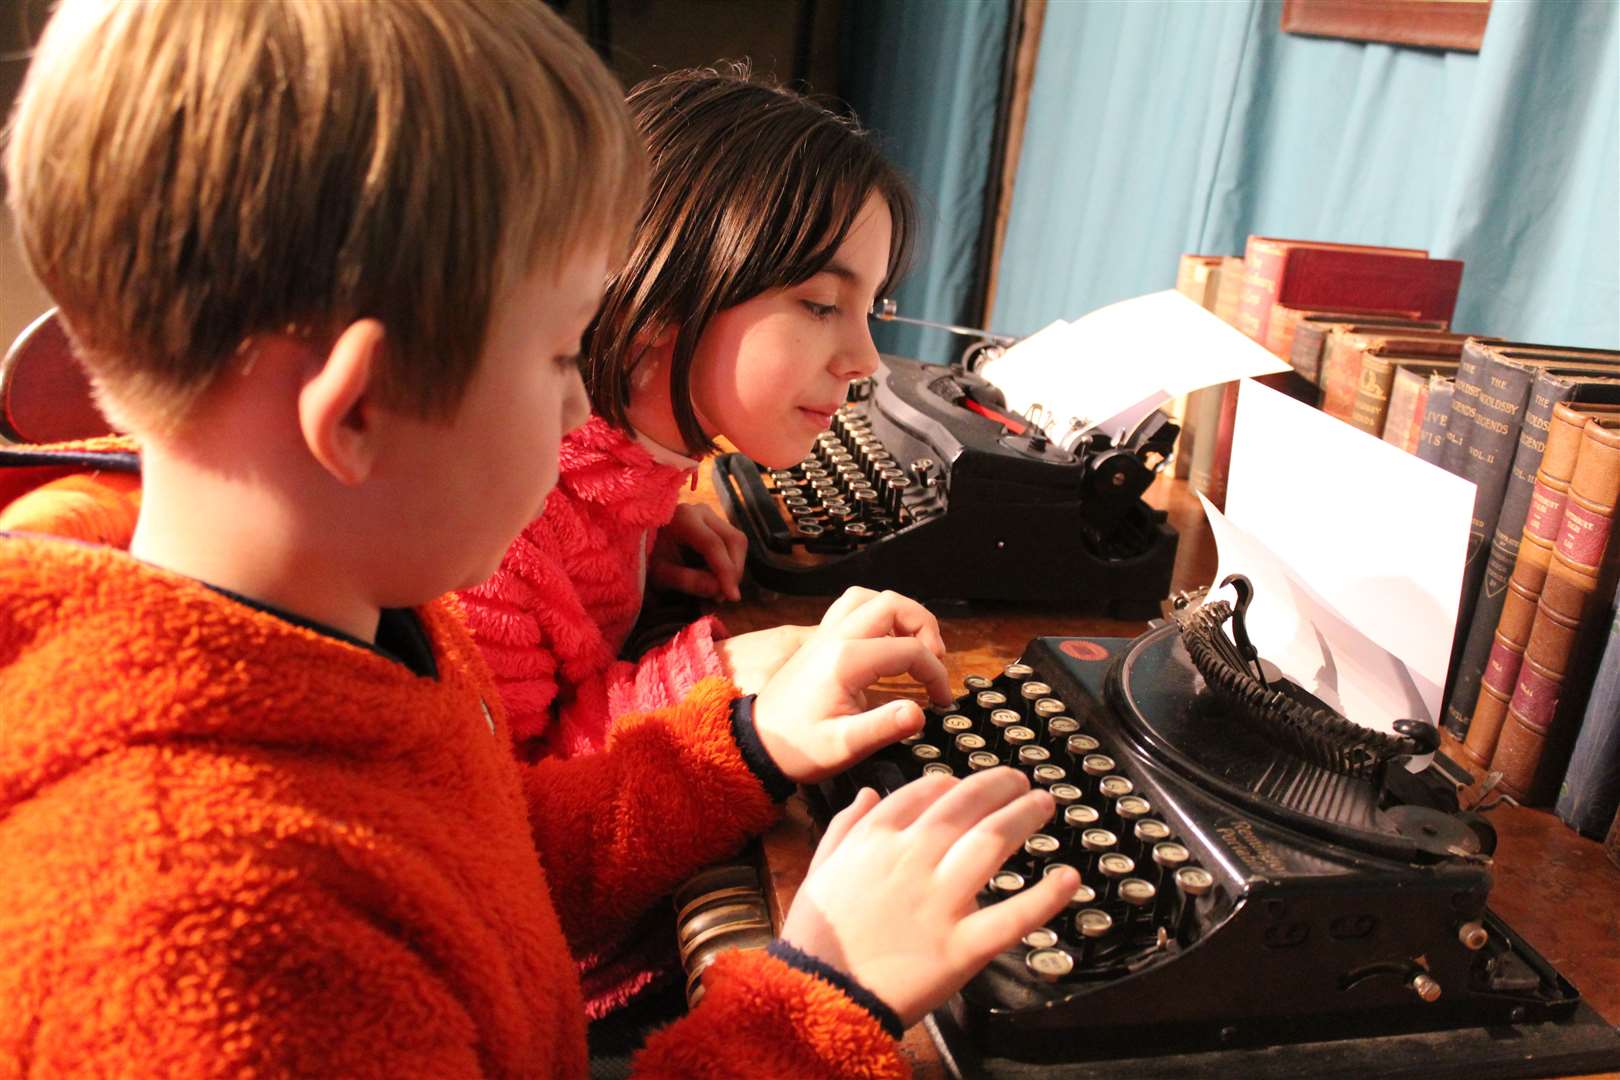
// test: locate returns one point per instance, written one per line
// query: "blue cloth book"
(1590, 793)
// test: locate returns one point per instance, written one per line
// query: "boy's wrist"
(759, 761)
(797, 958)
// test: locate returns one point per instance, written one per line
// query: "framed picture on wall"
(1458, 25)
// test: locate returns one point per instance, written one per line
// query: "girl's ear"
(337, 407)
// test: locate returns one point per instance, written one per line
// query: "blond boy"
(329, 263)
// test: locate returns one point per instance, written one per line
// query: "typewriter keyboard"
(1140, 885)
(850, 490)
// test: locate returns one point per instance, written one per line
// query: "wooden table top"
(1553, 886)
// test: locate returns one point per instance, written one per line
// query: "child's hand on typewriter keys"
(751, 659)
(890, 897)
(812, 716)
(720, 544)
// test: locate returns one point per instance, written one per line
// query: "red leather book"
(1304, 274)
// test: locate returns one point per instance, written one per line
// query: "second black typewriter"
(1267, 888)
(924, 485)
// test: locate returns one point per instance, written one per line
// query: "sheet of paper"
(1104, 368)
(1374, 537)
(1301, 635)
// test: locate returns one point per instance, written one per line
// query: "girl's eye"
(821, 311)
(570, 360)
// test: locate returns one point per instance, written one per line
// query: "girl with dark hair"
(771, 225)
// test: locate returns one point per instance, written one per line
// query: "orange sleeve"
(277, 978)
(781, 1021)
(670, 793)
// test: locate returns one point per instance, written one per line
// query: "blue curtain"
(925, 76)
(1157, 128)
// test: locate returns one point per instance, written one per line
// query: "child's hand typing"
(890, 896)
(751, 659)
(722, 547)
(812, 716)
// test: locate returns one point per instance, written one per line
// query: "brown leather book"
(1212, 456)
(1313, 327)
(1409, 400)
(1551, 692)
(1375, 396)
(1541, 528)
(1340, 377)
(1283, 330)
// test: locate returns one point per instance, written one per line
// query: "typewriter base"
(1582, 1044)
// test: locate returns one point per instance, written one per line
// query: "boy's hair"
(186, 175)
(752, 187)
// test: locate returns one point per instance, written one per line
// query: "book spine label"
(1584, 536)
(1534, 698)
(1546, 513)
(1371, 405)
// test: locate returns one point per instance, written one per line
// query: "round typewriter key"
(1151, 831)
(913, 739)
(1049, 965)
(1015, 737)
(1097, 764)
(966, 744)
(858, 530)
(976, 684)
(1079, 746)
(1017, 672)
(1047, 707)
(925, 752)
(938, 768)
(1002, 719)
(863, 497)
(803, 511)
(1080, 816)
(1032, 691)
(1041, 846)
(1031, 755)
(1114, 867)
(842, 513)
(1065, 795)
(1139, 897)
(1006, 883)
(810, 530)
(791, 491)
(980, 760)
(796, 500)
(1059, 728)
(1092, 925)
(955, 724)
(1096, 842)
(1129, 809)
(1192, 882)
(1170, 855)
(1046, 774)
(1041, 938)
(990, 699)
(1083, 896)
(1113, 786)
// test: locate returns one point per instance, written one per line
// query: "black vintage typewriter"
(1267, 889)
(923, 484)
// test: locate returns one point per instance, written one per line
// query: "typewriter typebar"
(1234, 895)
(912, 489)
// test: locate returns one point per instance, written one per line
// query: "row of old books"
(1533, 701)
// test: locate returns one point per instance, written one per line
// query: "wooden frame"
(1431, 24)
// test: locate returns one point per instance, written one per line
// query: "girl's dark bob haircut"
(752, 188)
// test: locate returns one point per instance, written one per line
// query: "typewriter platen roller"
(1240, 903)
(919, 486)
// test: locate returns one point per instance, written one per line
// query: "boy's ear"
(337, 405)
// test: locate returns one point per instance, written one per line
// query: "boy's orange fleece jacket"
(237, 845)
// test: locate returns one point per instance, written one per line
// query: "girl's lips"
(822, 417)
